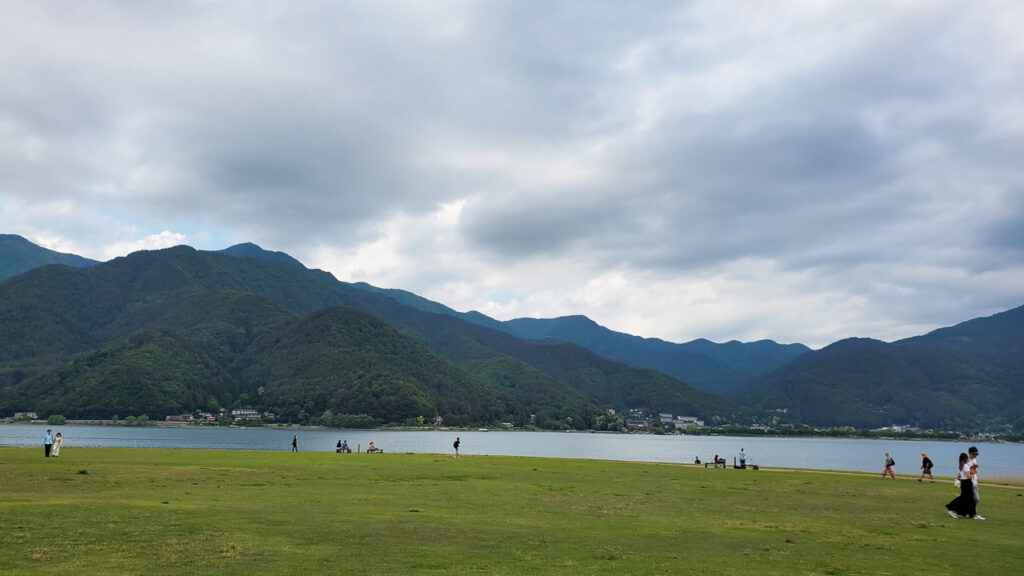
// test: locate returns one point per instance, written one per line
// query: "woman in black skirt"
(964, 504)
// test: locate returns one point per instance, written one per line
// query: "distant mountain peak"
(250, 250)
(19, 255)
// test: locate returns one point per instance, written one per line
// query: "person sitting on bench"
(718, 462)
(373, 449)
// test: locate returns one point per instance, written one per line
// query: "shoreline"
(166, 424)
(1011, 483)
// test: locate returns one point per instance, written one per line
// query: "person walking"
(295, 443)
(926, 467)
(890, 462)
(456, 445)
(972, 459)
(58, 441)
(48, 442)
(964, 504)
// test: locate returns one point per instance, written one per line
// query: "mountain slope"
(711, 367)
(18, 255)
(714, 368)
(999, 338)
(349, 362)
(867, 383)
(250, 250)
(50, 316)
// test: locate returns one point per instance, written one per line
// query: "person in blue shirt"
(48, 442)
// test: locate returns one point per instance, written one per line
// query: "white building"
(684, 421)
(245, 414)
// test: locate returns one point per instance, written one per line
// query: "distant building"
(684, 421)
(665, 418)
(178, 418)
(31, 415)
(205, 417)
(245, 414)
(638, 424)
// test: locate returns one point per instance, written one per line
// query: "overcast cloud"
(804, 171)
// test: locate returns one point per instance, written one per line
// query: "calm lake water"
(1004, 461)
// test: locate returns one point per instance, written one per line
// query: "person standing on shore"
(295, 443)
(889, 464)
(48, 442)
(743, 458)
(456, 445)
(926, 467)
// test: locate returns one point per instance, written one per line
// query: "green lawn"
(153, 511)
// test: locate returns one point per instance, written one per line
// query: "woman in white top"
(964, 504)
(57, 441)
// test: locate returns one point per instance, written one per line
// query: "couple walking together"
(52, 444)
(966, 504)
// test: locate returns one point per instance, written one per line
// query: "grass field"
(153, 511)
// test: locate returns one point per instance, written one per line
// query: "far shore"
(731, 433)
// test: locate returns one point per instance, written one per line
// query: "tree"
(56, 420)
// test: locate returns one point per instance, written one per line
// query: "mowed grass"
(153, 511)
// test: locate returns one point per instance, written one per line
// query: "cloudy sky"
(804, 171)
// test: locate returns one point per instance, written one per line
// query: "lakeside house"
(638, 424)
(245, 414)
(684, 421)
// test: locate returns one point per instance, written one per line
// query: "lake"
(998, 461)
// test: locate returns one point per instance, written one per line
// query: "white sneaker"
(952, 514)
(978, 517)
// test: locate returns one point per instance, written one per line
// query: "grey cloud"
(310, 124)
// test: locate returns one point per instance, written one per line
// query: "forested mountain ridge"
(58, 324)
(966, 376)
(18, 255)
(716, 368)
(208, 320)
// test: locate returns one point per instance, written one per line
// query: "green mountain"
(164, 331)
(960, 377)
(719, 369)
(18, 255)
(204, 328)
(250, 250)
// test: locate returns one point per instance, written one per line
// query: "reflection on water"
(997, 460)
